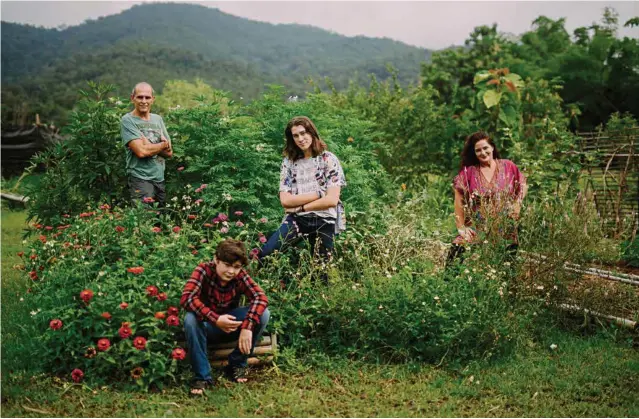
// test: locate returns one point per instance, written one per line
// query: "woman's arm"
(330, 200)
(467, 233)
(289, 200)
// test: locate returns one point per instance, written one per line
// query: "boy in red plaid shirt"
(211, 298)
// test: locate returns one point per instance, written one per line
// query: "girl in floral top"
(488, 192)
(311, 179)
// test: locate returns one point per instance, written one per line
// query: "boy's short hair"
(231, 251)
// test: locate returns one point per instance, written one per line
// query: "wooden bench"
(263, 353)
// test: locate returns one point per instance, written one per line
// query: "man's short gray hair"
(142, 83)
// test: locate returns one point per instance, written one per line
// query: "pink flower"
(152, 291)
(198, 190)
(179, 169)
(176, 229)
(222, 217)
(263, 220)
(178, 353)
(139, 342)
(148, 200)
(125, 331)
(254, 253)
(263, 239)
(105, 207)
(198, 201)
(173, 321)
(49, 228)
(239, 224)
(207, 225)
(156, 229)
(195, 252)
(77, 375)
(238, 213)
(191, 216)
(55, 324)
(104, 344)
(203, 186)
(86, 295)
(224, 230)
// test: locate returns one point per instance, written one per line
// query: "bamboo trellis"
(611, 159)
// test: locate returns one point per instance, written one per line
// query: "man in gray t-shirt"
(147, 144)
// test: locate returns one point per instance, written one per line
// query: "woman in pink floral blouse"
(488, 193)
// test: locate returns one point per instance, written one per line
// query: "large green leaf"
(491, 98)
(481, 76)
(509, 116)
(515, 79)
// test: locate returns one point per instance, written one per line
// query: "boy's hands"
(227, 323)
(245, 342)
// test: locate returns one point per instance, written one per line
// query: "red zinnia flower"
(195, 252)
(151, 290)
(20, 254)
(86, 214)
(139, 342)
(136, 270)
(86, 295)
(105, 207)
(48, 228)
(103, 344)
(162, 296)
(125, 332)
(55, 324)
(77, 375)
(106, 315)
(33, 275)
(124, 305)
(191, 216)
(42, 238)
(119, 229)
(208, 225)
(156, 229)
(178, 353)
(33, 257)
(173, 321)
(173, 311)
(137, 373)
(38, 226)
(176, 229)
(64, 227)
(160, 315)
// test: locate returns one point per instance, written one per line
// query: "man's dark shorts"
(140, 189)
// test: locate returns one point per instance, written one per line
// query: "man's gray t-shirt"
(132, 128)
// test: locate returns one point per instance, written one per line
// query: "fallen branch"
(31, 409)
(631, 324)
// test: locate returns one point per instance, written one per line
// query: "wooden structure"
(263, 352)
(611, 159)
(21, 143)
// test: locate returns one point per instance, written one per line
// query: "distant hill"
(43, 68)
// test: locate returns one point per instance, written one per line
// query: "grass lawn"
(590, 376)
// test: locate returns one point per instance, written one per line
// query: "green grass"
(590, 376)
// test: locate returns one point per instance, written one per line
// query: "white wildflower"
(553, 346)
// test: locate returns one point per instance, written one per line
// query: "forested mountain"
(42, 69)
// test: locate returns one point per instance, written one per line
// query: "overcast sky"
(429, 24)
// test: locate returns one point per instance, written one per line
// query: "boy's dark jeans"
(199, 333)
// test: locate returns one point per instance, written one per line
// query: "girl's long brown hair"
(292, 151)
